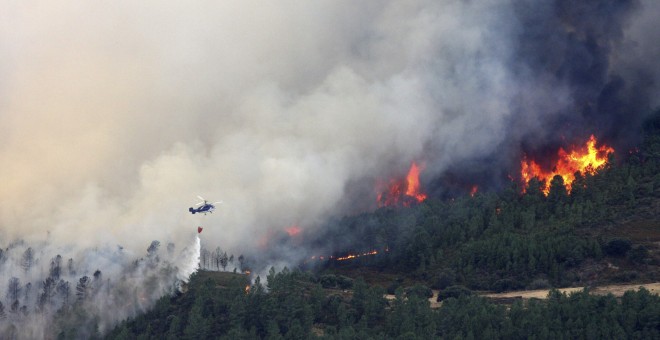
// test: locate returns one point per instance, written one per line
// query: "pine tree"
(174, 329)
(64, 290)
(273, 331)
(223, 260)
(124, 334)
(14, 289)
(27, 293)
(82, 288)
(557, 195)
(198, 326)
(28, 259)
(296, 331)
(70, 267)
(55, 267)
(48, 292)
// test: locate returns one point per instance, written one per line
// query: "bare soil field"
(432, 300)
(616, 290)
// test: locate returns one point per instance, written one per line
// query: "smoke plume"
(115, 116)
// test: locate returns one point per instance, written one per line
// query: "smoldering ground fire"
(113, 116)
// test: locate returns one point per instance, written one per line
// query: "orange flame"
(353, 256)
(402, 191)
(346, 257)
(585, 159)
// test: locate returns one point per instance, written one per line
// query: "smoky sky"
(114, 116)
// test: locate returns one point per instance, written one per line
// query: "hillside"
(604, 234)
(606, 230)
(217, 306)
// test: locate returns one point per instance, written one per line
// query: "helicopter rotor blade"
(201, 198)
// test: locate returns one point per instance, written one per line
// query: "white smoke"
(106, 285)
(112, 122)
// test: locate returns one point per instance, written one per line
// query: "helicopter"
(204, 207)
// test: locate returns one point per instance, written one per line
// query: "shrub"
(344, 282)
(505, 284)
(445, 279)
(391, 289)
(617, 247)
(453, 292)
(638, 254)
(626, 276)
(420, 291)
(328, 281)
(539, 284)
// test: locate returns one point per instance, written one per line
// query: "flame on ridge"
(349, 256)
(586, 159)
(353, 256)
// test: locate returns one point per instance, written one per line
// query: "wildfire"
(586, 159)
(402, 191)
(346, 257)
(354, 256)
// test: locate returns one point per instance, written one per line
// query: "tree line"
(217, 258)
(294, 305)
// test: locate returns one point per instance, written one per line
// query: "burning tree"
(401, 191)
(586, 159)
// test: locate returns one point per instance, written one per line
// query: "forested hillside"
(606, 230)
(296, 306)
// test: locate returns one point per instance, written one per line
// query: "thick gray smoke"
(115, 116)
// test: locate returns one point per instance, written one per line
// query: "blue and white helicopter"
(204, 207)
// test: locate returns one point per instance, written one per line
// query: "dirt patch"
(432, 300)
(616, 290)
(619, 290)
(509, 297)
(640, 231)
